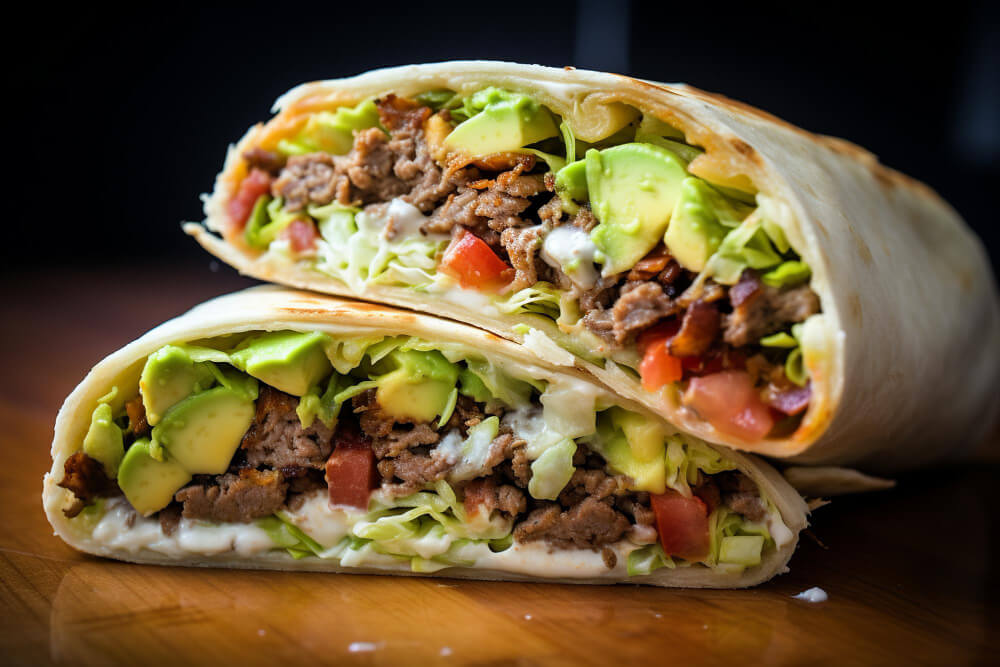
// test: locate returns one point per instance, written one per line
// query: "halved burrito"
(285, 430)
(756, 285)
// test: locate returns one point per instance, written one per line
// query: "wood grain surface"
(911, 573)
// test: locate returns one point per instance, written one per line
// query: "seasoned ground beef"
(378, 168)
(235, 497)
(276, 438)
(486, 494)
(587, 525)
(522, 246)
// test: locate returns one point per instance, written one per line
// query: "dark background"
(122, 117)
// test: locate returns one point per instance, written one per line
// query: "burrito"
(756, 285)
(286, 430)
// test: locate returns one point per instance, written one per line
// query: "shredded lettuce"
(747, 246)
(551, 471)
(686, 457)
(648, 559)
(355, 251)
(724, 525)
(541, 298)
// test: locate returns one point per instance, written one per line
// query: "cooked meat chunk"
(590, 524)
(414, 468)
(277, 439)
(640, 306)
(86, 479)
(699, 327)
(389, 437)
(170, 518)
(593, 483)
(485, 494)
(522, 246)
(760, 310)
(378, 168)
(741, 495)
(235, 497)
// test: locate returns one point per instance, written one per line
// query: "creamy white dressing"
(122, 528)
(571, 250)
(814, 594)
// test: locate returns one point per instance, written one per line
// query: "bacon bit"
(239, 208)
(789, 400)
(493, 162)
(653, 263)
(747, 288)
(86, 479)
(698, 329)
(301, 234)
(137, 424)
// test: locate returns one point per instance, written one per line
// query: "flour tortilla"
(273, 308)
(905, 357)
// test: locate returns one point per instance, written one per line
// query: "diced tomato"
(257, 183)
(683, 525)
(301, 234)
(474, 264)
(350, 470)
(658, 367)
(729, 401)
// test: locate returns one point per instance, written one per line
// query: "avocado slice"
(420, 386)
(169, 376)
(287, 360)
(571, 185)
(633, 191)
(203, 431)
(633, 445)
(104, 442)
(149, 484)
(701, 219)
(508, 121)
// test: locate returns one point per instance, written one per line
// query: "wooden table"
(911, 573)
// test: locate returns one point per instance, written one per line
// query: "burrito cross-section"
(756, 285)
(278, 429)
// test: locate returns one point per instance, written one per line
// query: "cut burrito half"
(285, 430)
(756, 285)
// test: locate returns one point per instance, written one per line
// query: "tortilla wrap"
(271, 308)
(904, 358)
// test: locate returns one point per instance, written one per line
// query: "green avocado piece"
(571, 185)
(169, 376)
(332, 131)
(700, 221)
(633, 191)
(633, 445)
(508, 121)
(420, 386)
(149, 484)
(203, 431)
(287, 360)
(103, 441)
